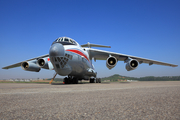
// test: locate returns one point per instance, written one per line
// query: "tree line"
(117, 77)
(164, 78)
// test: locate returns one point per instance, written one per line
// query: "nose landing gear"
(53, 78)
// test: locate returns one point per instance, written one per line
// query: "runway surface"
(134, 100)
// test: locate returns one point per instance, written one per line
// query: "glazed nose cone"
(56, 49)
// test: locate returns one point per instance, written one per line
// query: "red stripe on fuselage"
(80, 53)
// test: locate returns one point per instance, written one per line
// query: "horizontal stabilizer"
(94, 45)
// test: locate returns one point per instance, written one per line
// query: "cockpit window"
(65, 40)
(71, 41)
(61, 39)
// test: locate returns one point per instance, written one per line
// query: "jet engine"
(111, 62)
(43, 63)
(131, 64)
(30, 66)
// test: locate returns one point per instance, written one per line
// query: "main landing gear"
(92, 80)
(74, 80)
(70, 80)
(98, 80)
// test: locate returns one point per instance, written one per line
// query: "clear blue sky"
(143, 28)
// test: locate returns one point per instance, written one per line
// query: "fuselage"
(69, 58)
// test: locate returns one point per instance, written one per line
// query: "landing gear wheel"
(91, 80)
(66, 80)
(97, 80)
(70, 80)
(75, 81)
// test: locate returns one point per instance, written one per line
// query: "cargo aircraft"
(70, 59)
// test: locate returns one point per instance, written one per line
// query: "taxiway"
(129, 100)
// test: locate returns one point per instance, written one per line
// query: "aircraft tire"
(66, 81)
(99, 80)
(75, 81)
(91, 80)
(70, 81)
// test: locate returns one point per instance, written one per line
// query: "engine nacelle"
(43, 63)
(30, 66)
(132, 64)
(111, 62)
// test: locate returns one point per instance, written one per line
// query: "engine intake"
(43, 63)
(132, 64)
(111, 62)
(30, 66)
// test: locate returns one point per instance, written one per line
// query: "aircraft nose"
(56, 49)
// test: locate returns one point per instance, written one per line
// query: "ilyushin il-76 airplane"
(70, 59)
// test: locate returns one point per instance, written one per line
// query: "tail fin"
(94, 45)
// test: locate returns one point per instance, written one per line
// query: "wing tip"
(174, 65)
(4, 68)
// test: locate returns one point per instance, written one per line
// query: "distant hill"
(118, 77)
(164, 78)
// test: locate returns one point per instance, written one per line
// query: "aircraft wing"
(19, 64)
(103, 55)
